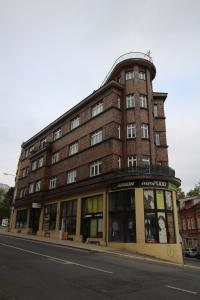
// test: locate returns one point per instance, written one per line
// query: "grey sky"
(54, 53)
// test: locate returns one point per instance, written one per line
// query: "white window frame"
(96, 137)
(73, 148)
(131, 131)
(129, 75)
(26, 153)
(144, 131)
(74, 123)
(55, 158)
(130, 101)
(31, 149)
(52, 183)
(142, 75)
(71, 176)
(43, 143)
(155, 110)
(119, 162)
(57, 134)
(34, 165)
(38, 186)
(132, 161)
(24, 172)
(146, 161)
(157, 139)
(119, 102)
(95, 168)
(97, 109)
(31, 188)
(119, 132)
(40, 162)
(143, 101)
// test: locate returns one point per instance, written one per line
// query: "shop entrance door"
(35, 219)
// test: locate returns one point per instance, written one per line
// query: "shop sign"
(36, 205)
(139, 183)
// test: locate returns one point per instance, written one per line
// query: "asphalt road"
(35, 270)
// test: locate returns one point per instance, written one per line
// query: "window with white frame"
(55, 158)
(129, 75)
(132, 161)
(157, 138)
(119, 162)
(73, 148)
(24, 172)
(96, 137)
(27, 170)
(57, 134)
(43, 143)
(189, 225)
(143, 101)
(144, 131)
(52, 182)
(119, 102)
(97, 109)
(184, 224)
(38, 186)
(95, 168)
(155, 110)
(71, 176)
(26, 153)
(40, 162)
(142, 75)
(146, 161)
(31, 149)
(34, 165)
(130, 101)
(31, 188)
(75, 123)
(131, 131)
(22, 192)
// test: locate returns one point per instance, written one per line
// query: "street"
(35, 270)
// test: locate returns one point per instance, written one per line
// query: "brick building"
(189, 218)
(99, 173)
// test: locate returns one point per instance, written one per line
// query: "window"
(31, 149)
(21, 218)
(96, 137)
(144, 131)
(34, 165)
(142, 75)
(129, 75)
(57, 134)
(52, 182)
(75, 123)
(130, 101)
(95, 168)
(40, 162)
(22, 193)
(159, 219)
(26, 153)
(119, 132)
(184, 224)
(55, 158)
(157, 138)
(97, 109)
(27, 170)
(38, 186)
(31, 188)
(122, 225)
(132, 161)
(146, 161)
(119, 162)
(71, 176)
(43, 143)
(68, 216)
(49, 222)
(193, 225)
(155, 110)
(118, 102)
(143, 101)
(23, 172)
(131, 131)
(73, 148)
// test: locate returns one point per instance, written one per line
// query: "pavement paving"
(191, 263)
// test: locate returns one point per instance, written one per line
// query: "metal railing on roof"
(129, 55)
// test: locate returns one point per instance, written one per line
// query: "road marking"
(182, 290)
(66, 262)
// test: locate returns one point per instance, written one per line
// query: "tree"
(5, 203)
(195, 191)
(180, 193)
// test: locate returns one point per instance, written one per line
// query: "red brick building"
(99, 173)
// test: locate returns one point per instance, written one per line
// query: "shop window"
(92, 217)
(21, 218)
(159, 218)
(50, 212)
(68, 216)
(122, 226)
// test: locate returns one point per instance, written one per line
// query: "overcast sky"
(54, 53)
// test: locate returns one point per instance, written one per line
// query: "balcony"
(154, 170)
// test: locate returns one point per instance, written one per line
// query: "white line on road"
(182, 290)
(66, 262)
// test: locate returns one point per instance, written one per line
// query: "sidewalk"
(91, 247)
